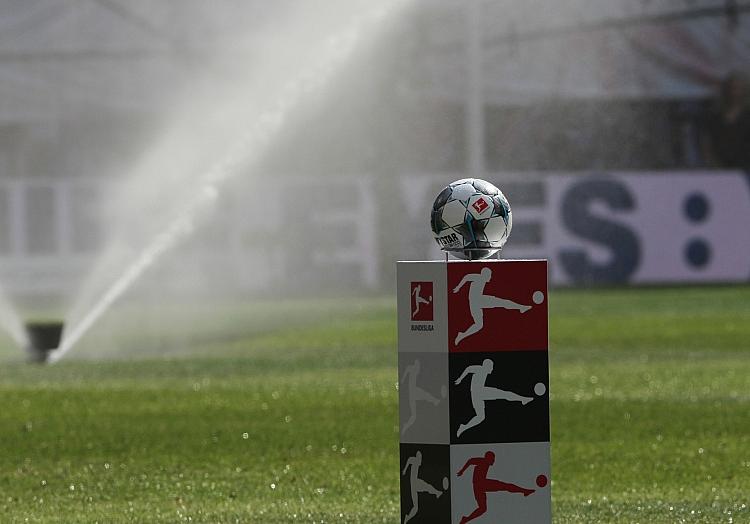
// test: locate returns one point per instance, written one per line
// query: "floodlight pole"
(474, 120)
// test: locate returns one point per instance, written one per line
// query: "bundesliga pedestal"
(473, 393)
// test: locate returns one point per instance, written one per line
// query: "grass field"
(256, 418)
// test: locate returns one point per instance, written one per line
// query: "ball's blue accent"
(442, 198)
(470, 227)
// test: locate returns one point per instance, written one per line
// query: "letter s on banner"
(619, 239)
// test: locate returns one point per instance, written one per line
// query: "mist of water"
(10, 322)
(168, 194)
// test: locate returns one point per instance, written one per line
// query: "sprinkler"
(44, 337)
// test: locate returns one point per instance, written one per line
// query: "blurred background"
(213, 196)
(619, 130)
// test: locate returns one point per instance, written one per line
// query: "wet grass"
(292, 418)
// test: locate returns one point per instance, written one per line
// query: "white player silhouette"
(416, 393)
(478, 301)
(418, 300)
(417, 485)
(480, 393)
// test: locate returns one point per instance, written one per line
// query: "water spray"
(247, 149)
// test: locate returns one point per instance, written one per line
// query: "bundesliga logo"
(421, 302)
(479, 301)
(480, 205)
(501, 313)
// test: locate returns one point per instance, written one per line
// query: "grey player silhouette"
(480, 393)
(418, 300)
(415, 393)
(478, 301)
(417, 485)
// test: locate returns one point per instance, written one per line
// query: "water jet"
(184, 196)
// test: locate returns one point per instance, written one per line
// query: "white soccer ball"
(471, 219)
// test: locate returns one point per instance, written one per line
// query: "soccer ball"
(471, 219)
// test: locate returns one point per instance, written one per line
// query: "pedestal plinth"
(474, 392)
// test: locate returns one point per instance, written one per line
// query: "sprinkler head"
(44, 337)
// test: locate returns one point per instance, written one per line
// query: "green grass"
(287, 412)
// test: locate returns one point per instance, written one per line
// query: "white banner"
(648, 228)
(608, 228)
(614, 228)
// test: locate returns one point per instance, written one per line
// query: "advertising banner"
(647, 228)
(619, 228)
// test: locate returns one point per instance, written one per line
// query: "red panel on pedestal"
(497, 306)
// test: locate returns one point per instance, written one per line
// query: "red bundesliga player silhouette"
(483, 485)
